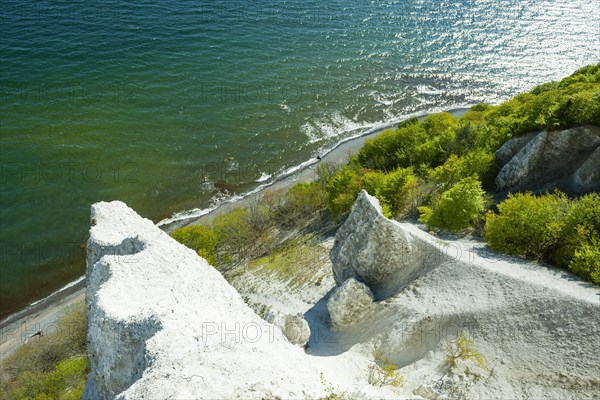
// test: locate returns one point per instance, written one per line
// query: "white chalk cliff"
(162, 323)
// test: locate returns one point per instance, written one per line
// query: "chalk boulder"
(294, 327)
(349, 303)
(377, 251)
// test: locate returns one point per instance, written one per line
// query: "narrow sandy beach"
(42, 316)
(36, 319)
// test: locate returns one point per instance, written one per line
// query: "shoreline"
(44, 313)
(305, 171)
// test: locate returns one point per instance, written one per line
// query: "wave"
(62, 289)
(264, 177)
(329, 127)
(267, 180)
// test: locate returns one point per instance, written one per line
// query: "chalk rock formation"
(294, 327)
(377, 251)
(349, 303)
(162, 323)
(568, 160)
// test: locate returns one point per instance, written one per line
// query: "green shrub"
(234, 233)
(551, 227)
(478, 163)
(582, 108)
(65, 382)
(383, 372)
(199, 238)
(325, 171)
(434, 124)
(469, 135)
(462, 348)
(527, 224)
(342, 190)
(412, 144)
(586, 260)
(428, 143)
(580, 236)
(303, 203)
(456, 208)
(51, 367)
(394, 190)
(373, 182)
(379, 152)
(581, 225)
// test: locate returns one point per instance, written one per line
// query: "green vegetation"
(458, 207)
(54, 366)
(331, 392)
(462, 349)
(248, 233)
(550, 227)
(437, 170)
(198, 238)
(383, 372)
(301, 203)
(234, 232)
(296, 261)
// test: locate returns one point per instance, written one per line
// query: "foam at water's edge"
(58, 294)
(267, 180)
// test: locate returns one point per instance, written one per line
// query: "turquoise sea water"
(164, 104)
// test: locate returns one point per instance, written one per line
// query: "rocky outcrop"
(568, 160)
(511, 147)
(377, 251)
(294, 327)
(349, 303)
(163, 323)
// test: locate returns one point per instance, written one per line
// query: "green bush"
(412, 144)
(551, 227)
(428, 143)
(578, 248)
(342, 190)
(392, 189)
(199, 238)
(65, 382)
(51, 367)
(456, 208)
(586, 260)
(580, 226)
(303, 203)
(395, 189)
(234, 233)
(527, 224)
(478, 163)
(379, 152)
